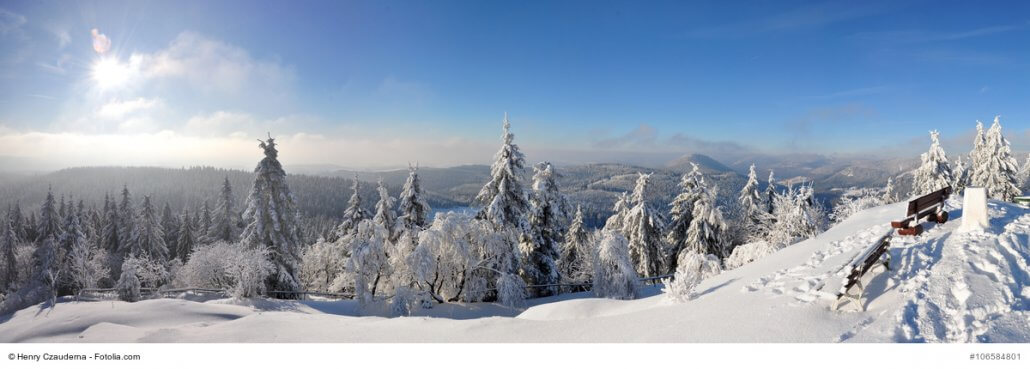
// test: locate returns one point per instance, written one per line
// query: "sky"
(380, 84)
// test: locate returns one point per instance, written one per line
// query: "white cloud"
(214, 66)
(116, 109)
(220, 122)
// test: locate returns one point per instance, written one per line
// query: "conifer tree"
(935, 172)
(977, 171)
(614, 274)
(170, 226)
(17, 223)
(1024, 174)
(770, 194)
(548, 220)
(961, 174)
(186, 239)
(999, 166)
(504, 199)
(9, 241)
(385, 216)
(126, 221)
(412, 206)
(705, 235)
(619, 212)
(576, 260)
(148, 238)
(272, 220)
(206, 223)
(681, 214)
(643, 228)
(225, 225)
(354, 213)
(49, 220)
(890, 195)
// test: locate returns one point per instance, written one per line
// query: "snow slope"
(944, 286)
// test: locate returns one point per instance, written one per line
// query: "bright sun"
(109, 73)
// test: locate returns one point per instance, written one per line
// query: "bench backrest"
(928, 201)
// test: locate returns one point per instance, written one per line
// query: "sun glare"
(109, 73)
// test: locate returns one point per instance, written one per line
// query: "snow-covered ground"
(943, 286)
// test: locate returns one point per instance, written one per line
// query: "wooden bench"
(875, 255)
(929, 207)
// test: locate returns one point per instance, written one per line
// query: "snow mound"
(943, 286)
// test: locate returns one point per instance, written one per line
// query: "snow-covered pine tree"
(49, 225)
(691, 269)
(616, 221)
(504, 199)
(750, 200)
(9, 241)
(576, 261)
(86, 261)
(385, 216)
(206, 223)
(890, 195)
(170, 226)
(961, 175)
(17, 222)
(505, 205)
(643, 228)
(225, 224)
(1000, 168)
(1024, 174)
(935, 172)
(977, 172)
(47, 265)
(354, 213)
(126, 222)
(367, 265)
(186, 239)
(681, 214)
(705, 235)
(272, 220)
(148, 238)
(770, 194)
(548, 220)
(614, 275)
(412, 207)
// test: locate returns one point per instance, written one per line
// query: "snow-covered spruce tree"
(9, 241)
(753, 211)
(548, 220)
(49, 225)
(614, 274)
(385, 216)
(272, 220)
(935, 172)
(770, 194)
(977, 157)
(148, 238)
(505, 206)
(187, 238)
(617, 220)
(960, 172)
(367, 264)
(126, 222)
(691, 269)
(170, 226)
(999, 166)
(412, 207)
(890, 195)
(87, 262)
(205, 223)
(681, 214)
(854, 200)
(225, 222)
(14, 215)
(354, 213)
(504, 199)
(706, 232)
(797, 217)
(575, 265)
(643, 229)
(72, 237)
(1024, 174)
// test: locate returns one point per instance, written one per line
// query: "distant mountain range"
(325, 192)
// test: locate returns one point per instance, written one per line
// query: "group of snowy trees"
(992, 166)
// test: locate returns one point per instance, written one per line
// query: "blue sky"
(378, 84)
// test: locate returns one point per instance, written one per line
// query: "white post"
(974, 209)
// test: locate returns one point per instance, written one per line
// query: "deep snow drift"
(943, 286)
